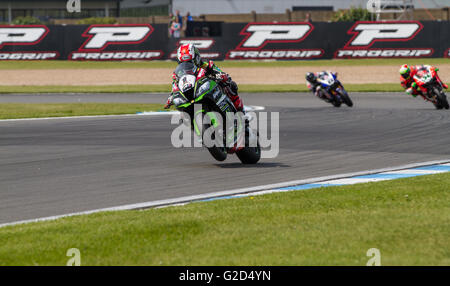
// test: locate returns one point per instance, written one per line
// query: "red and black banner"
(249, 41)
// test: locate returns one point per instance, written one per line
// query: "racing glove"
(223, 77)
(412, 90)
(169, 102)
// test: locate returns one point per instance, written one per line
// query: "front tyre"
(336, 102)
(220, 154)
(346, 99)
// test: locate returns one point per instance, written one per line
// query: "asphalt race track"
(59, 166)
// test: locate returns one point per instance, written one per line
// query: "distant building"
(45, 9)
(56, 9)
(198, 7)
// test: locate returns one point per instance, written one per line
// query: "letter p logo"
(259, 35)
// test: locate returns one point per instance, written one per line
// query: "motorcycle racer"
(189, 52)
(407, 74)
(313, 83)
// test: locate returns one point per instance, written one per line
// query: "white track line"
(86, 117)
(263, 189)
(144, 113)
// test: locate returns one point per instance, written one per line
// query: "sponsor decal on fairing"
(366, 34)
(258, 35)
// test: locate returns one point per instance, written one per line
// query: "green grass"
(165, 88)
(224, 64)
(408, 220)
(38, 110)
(86, 88)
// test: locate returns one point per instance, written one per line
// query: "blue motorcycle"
(333, 90)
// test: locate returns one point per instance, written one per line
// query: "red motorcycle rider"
(407, 74)
(189, 52)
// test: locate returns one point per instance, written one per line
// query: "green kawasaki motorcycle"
(213, 117)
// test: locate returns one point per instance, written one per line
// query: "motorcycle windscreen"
(186, 74)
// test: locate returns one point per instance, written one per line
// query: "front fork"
(236, 139)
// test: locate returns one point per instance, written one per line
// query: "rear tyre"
(442, 101)
(437, 105)
(249, 155)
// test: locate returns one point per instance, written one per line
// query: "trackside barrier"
(275, 41)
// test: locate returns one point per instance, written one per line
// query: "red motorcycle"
(430, 88)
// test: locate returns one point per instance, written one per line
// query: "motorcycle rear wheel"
(442, 101)
(249, 155)
(437, 105)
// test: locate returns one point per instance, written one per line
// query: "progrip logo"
(366, 34)
(288, 35)
(24, 35)
(100, 37)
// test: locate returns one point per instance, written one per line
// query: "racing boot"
(321, 94)
(232, 94)
(231, 88)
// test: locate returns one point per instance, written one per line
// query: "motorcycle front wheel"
(346, 99)
(218, 153)
(336, 102)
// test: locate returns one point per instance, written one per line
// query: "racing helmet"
(188, 52)
(311, 77)
(405, 71)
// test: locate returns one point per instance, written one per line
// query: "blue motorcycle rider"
(313, 82)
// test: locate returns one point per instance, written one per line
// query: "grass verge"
(244, 63)
(254, 88)
(39, 110)
(406, 219)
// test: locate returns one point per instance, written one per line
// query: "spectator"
(189, 17)
(176, 28)
(308, 17)
(172, 19)
(186, 19)
(180, 19)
